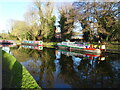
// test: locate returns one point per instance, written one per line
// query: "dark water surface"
(53, 68)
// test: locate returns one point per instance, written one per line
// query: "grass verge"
(14, 75)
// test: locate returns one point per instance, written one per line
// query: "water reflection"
(62, 69)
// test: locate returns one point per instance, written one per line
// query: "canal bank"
(14, 75)
(110, 46)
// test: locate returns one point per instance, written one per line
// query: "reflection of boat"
(80, 46)
(33, 47)
(82, 54)
(7, 43)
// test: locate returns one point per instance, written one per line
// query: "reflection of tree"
(32, 57)
(47, 68)
(85, 68)
(35, 55)
(68, 73)
(89, 73)
(23, 54)
(28, 57)
(112, 56)
(85, 64)
(66, 64)
(105, 74)
(20, 55)
(98, 76)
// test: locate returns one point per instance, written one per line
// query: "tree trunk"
(107, 38)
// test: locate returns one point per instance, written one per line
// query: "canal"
(55, 68)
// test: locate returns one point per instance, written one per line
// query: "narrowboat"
(81, 46)
(32, 43)
(7, 43)
(2, 42)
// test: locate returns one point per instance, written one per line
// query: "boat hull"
(91, 50)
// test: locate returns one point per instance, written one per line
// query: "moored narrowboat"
(32, 43)
(2, 42)
(81, 46)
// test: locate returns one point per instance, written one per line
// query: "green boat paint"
(35, 43)
(80, 46)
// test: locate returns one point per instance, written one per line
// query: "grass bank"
(15, 75)
(110, 45)
(113, 45)
(49, 44)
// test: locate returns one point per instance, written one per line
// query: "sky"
(11, 11)
(15, 10)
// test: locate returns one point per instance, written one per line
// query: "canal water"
(55, 68)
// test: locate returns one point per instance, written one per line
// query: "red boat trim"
(90, 49)
(92, 55)
(40, 45)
